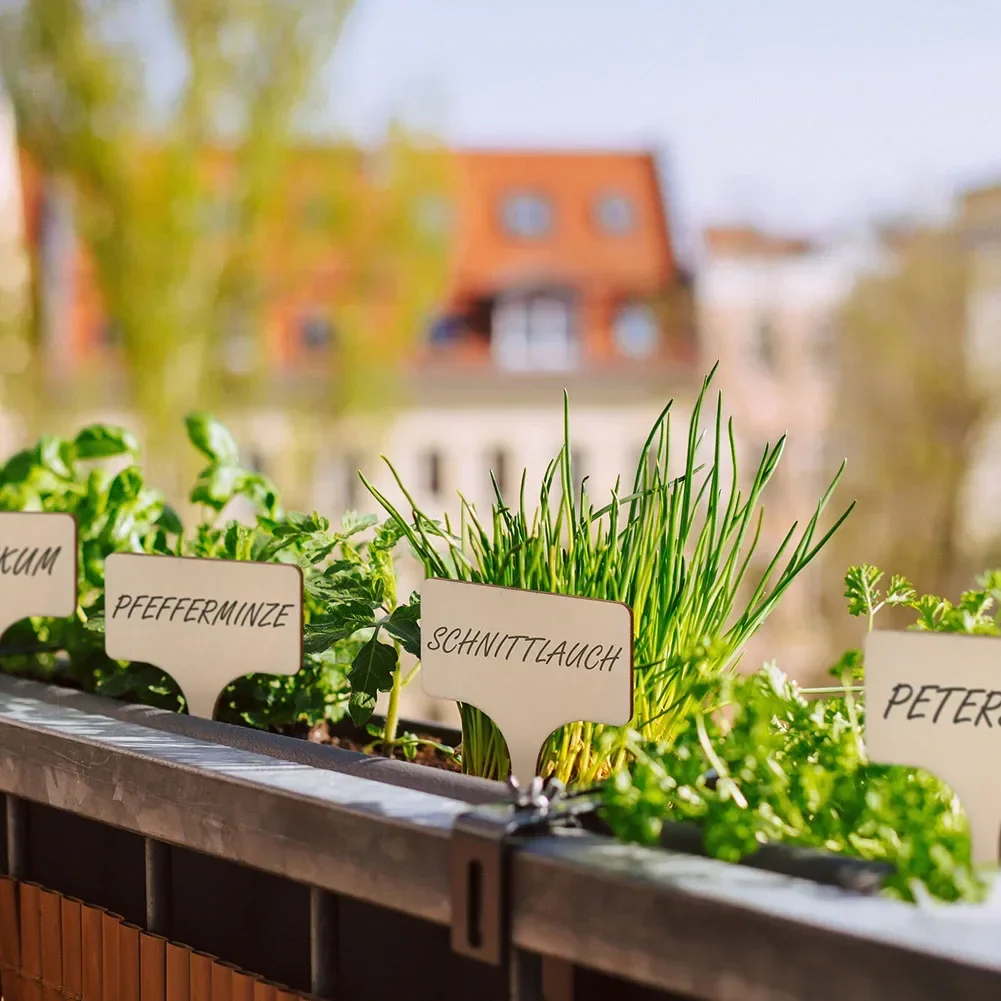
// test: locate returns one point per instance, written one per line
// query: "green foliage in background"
(910, 417)
(787, 769)
(675, 549)
(189, 180)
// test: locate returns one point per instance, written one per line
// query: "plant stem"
(853, 719)
(393, 711)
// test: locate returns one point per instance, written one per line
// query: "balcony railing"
(275, 862)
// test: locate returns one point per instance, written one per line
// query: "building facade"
(767, 310)
(561, 277)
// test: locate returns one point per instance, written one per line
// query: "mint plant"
(355, 630)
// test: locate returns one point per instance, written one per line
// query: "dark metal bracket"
(483, 842)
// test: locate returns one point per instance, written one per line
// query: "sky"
(795, 114)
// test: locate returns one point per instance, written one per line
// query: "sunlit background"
(407, 226)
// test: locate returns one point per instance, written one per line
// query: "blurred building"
(979, 223)
(767, 309)
(561, 276)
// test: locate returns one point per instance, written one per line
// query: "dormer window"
(614, 213)
(527, 215)
(636, 330)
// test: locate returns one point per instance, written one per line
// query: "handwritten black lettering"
(514, 643)
(250, 615)
(23, 565)
(485, 644)
(469, 641)
(530, 643)
(992, 702)
(610, 658)
(894, 701)
(947, 692)
(911, 714)
(16, 561)
(968, 709)
(558, 653)
(47, 561)
(549, 651)
(203, 611)
(124, 600)
(966, 703)
(24, 562)
(225, 613)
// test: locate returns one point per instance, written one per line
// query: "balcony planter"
(331, 884)
(818, 867)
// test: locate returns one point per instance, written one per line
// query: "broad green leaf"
(102, 441)
(361, 705)
(212, 438)
(403, 625)
(170, 521)
(268, 548)
(95, 624)
(54, 453)
(388, 535)
(260, 491)
(215, 486)
(20, 466)
(126, 486)
(342, 620)
(306, 523)
(373, 667)
(352, 522)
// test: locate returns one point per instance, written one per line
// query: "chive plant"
(675, 549)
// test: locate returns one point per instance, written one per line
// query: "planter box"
(277, 867)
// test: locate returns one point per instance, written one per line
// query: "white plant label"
(38, 569)
(531, 661)
(933, 701)
(205, 622)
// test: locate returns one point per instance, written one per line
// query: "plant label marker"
(37, 565)
(933, 701)
(531, 661)
(205, 622)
